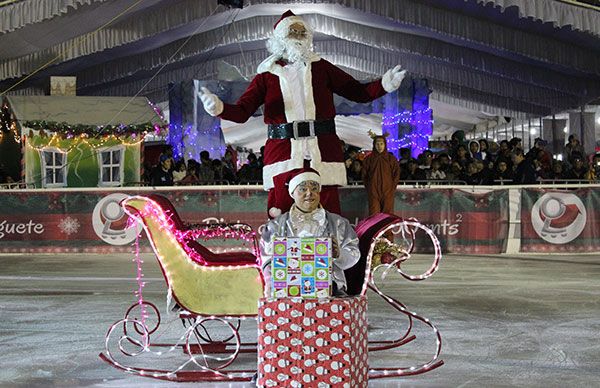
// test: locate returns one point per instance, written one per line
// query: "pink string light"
(139, 275)
(183, 237)
(168, 223)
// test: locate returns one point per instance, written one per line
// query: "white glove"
(212, 104)
(392, 78)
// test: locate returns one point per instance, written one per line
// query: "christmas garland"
(72, 130)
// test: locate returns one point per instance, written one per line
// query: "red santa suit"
(299, 110)
(301, 92)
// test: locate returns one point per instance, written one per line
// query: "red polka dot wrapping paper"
(313, 343)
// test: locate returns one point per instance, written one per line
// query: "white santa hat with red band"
(302, 175)
(282, 26)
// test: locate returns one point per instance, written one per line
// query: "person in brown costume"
(380, 175)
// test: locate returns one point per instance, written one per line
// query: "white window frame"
(62, 167)
(121, 165)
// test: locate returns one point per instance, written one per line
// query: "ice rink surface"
(523, 320)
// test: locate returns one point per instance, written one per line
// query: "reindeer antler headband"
(373, 135)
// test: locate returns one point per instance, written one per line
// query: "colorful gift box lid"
(301, 267)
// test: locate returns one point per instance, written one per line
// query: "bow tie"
(317, 216)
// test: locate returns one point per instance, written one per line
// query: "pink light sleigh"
(217, 292)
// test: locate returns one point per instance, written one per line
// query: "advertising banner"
(92, 221)
(560, 221)
(471, 222)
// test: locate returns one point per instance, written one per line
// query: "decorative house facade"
(68, 141)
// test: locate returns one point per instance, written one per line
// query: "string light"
(205, 374)
(8, 123)
(188, 141)
(74, 141)
(175, 139)
(415, 117)
(418, 122)
(237, 231)
(412, 226)
(139, 275)
(152, 213)
(135, 132)
(417, 142)
(73, 130)
(158, 111)
(150, 209)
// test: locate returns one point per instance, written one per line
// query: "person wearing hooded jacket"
(474, 150)
(380, 174)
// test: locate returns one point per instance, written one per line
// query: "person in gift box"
(307, 218)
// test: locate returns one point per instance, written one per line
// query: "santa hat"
(282, 26)
(300, 175)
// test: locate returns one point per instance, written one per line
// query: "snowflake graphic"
(69, 226)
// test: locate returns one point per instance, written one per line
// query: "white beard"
(298, 50)
(291, 49)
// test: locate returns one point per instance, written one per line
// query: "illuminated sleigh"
(224, 288)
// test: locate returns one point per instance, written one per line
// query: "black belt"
(299, 129)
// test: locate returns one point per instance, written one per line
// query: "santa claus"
(296, 87)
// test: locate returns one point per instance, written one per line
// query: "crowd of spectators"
(480, 162)
(477, 162)
(207, 171)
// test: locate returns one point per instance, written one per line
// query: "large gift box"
(301, 267)
(313, 342)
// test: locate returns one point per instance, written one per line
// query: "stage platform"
(526, 320)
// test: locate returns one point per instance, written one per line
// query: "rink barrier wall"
(467, 220)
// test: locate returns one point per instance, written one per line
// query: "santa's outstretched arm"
(392, 78)
(212, 104)
(346, 86)
(246, 105)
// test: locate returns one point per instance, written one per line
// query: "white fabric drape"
(536, 93)
(476, 106)
(374, 62)
(21, 13)
(17, 15)
(81, 21)
(183, 15)
(391, 17)
(560, 14)
(464, 57)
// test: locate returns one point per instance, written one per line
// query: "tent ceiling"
(484, 59)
